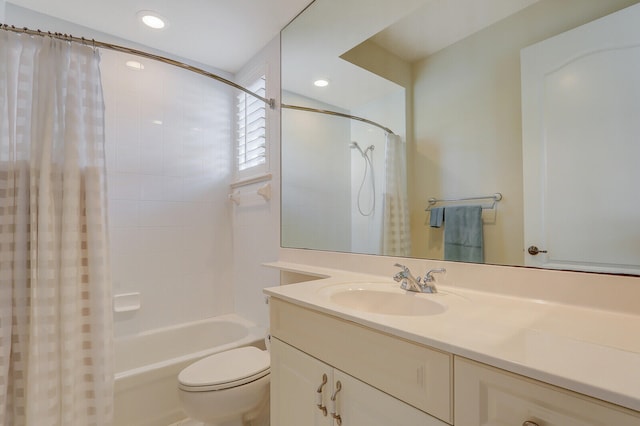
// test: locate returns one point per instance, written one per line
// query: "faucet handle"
(399, 276)
(397, 265)
(428, 277)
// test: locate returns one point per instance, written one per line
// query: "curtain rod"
(339, 114)
(95, 43)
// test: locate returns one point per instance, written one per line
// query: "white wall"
(316, 172)
(468, 129)
(2, 13)
(468, 141)
(170, 221)
(256, 222)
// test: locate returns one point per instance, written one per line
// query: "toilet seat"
(225, 370)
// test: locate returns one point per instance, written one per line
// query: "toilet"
(230, 388)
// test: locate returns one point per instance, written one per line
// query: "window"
(251, 130)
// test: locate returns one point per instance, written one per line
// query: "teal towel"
(436, 216)
(463, 234)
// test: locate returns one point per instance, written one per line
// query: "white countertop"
(590, 351)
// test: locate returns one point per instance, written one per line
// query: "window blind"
(251, 131)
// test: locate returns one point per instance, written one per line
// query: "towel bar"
(495, 197)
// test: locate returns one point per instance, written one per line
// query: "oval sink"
(383, 299)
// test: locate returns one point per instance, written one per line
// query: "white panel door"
(295, 379)
(359, 404)
(581, 146)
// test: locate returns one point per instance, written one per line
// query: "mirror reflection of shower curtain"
(396, 240)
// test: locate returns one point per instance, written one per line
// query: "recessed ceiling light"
(321, 83)
(152, 19)
(134, 65)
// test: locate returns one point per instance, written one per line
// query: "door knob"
(533, 250)
(528, 423)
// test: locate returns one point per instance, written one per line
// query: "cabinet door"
(359, 404)
(486, 396)
(295, 378)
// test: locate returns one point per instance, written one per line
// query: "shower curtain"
(55, 292)
(396, 240)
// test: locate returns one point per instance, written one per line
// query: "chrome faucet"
(407, 280)
(410, 283)
(429, 281)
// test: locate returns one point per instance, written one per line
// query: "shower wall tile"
(155, 238)
(127, 158)
(162, 213)
(199, 188)
(151, 158)
(151, 133)
(125, 186)
(151, 187)
(200, 285)
(169, 156)
(123, 213)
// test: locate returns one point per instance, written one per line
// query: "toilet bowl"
(228, 388)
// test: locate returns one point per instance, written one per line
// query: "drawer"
(415, 374)
(488, 396)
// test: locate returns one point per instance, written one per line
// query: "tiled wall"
(256, 222)
(168, 157)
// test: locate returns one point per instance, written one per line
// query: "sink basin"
(383, 298)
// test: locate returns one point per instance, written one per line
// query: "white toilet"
(228, 388)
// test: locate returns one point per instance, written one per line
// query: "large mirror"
(495, 131)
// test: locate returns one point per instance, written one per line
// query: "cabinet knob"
(319, 404)
(529, 423)
(334, 411)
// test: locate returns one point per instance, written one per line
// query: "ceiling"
(313, 46)
(226, 34)
(223, 34)
(441, 23)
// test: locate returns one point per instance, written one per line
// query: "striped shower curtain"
(396, 240)
(55, 293)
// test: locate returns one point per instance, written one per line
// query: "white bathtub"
(147, 365)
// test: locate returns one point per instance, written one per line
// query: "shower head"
(354, 145)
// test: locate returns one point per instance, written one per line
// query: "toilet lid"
(226, 369)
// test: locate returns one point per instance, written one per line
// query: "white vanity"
(484, 359)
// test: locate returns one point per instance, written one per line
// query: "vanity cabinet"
(393, 369)
(487, 396)
(302, 388)
(387, 380)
